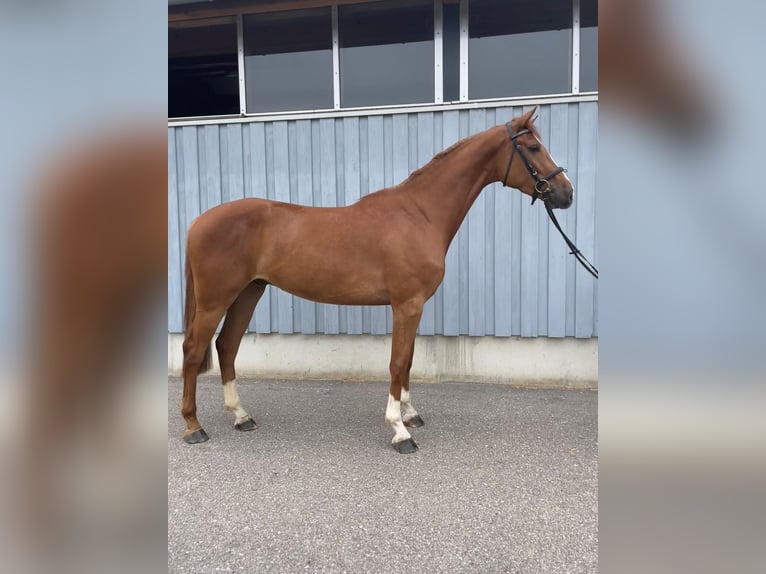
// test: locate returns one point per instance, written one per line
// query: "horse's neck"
(447, 187)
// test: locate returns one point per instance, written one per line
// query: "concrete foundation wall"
(527, 362)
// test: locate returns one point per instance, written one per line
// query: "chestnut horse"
(386, 249)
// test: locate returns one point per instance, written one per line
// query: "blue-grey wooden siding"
(507, 272)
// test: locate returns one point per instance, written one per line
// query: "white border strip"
(575, 46)
(335, 59)
(387, 110)
(438, 52)
(463, 50)
(241, 64)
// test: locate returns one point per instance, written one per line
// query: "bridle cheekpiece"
(542, 191)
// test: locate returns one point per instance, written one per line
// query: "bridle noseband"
(542, 191)
(542, 185)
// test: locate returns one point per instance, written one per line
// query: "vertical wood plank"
(329, 199)
(400, 164)
(303, 167)
(316, 191)
(292, 142)
(282, 193)
(569, 221)
(261, 320)
(544, 125)
(462, 240)
(439, 295)
(352, 194)
(489, 193)
(451, 284)
(388, 169)
(190, 181)
(175, 262)
(376, 181)
(181, 199)
(233, 185)
(364, 189)
(425, 154)
(257, 137)
(519, 202)
(476, 248)
(585, 241)
(273, 299)
(557, 251)
(530, 255)
(211, 169)
(503, 246)
(401, 156)
(190, 187)
(340, 200)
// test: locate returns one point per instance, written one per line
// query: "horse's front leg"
(410, 416)
(406, 319)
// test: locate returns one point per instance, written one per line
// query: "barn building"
(321, 102)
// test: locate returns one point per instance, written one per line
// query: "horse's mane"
(440, 156)
(456, 146)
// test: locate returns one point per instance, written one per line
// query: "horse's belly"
(334, 292)
(340, 285)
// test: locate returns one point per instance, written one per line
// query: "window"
(288, 60)
(375, 53)
(588, 45)
(519, 48)
(386, 53)
(202, 68)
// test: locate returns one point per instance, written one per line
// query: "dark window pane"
(288, 60)
(451, 52)
(589, 46)
(519, 48)
(202, 71)
(386, 53)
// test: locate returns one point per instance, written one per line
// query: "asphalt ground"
(505, 480)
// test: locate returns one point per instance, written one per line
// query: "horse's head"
(534, 172)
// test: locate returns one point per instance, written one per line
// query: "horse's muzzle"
(561, 197)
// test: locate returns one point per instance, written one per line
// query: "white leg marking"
(409, 411)
(394, 418)
(231, 400)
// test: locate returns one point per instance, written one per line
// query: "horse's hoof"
(246, 425)
(407, 446)
(414, 422)
(196, 437)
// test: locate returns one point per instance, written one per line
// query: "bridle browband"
(542, 191)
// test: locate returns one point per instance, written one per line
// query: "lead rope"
(589, 267)
(574, 251)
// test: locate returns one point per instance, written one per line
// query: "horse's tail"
(190, 310)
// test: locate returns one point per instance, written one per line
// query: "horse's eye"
(534, 148)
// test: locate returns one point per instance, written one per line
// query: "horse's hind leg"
(410, 416)
(228, 341)
(195, 346)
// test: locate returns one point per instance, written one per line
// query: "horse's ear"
(529, 118)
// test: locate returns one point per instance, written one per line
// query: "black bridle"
(542, 191)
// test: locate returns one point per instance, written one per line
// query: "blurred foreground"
(682, 391)
(82, 312)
